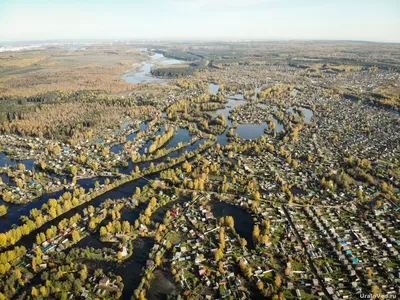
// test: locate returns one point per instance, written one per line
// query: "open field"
(96, 68)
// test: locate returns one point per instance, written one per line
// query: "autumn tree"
(157, 260)
(256, 233)
(230, 221)
(278, 281)
(218, 255)
(3, 210)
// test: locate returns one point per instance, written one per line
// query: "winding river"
(144, 73)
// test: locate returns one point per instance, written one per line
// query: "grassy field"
(97, 68)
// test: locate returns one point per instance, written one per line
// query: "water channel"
(130, 270)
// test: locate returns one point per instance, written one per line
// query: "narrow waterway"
(123, 191)
(5, 161)
(131, 268)
(16, 211)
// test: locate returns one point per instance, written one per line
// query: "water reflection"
(123, 191)
(5, 161)
(308, 113)
(278, 126)
(16, 211)
(144, 73)
(131, 269)
(213, 88)
(244, 223)
(250, 131)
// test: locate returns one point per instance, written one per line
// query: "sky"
(367, 20)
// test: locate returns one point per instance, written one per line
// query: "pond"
(245, 131)
(308, 113)
(158, 215)
(180, 136)
(222, 139)
(244, 223)
(117, 148)
(278, 125)
(132, 136)
(251, 131)
(163, 285)
(131, 269)
(213, 88)
(131, 215)
(229, 106)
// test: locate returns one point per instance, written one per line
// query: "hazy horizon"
(208, 20)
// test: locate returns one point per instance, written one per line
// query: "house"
(149, 263)
(104, 282)
(142, 227)
(208, 215)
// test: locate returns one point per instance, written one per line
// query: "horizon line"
(226, 39)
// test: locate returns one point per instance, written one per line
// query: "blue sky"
(371, 20)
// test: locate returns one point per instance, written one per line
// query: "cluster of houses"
(100, 287)
(351, 254)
